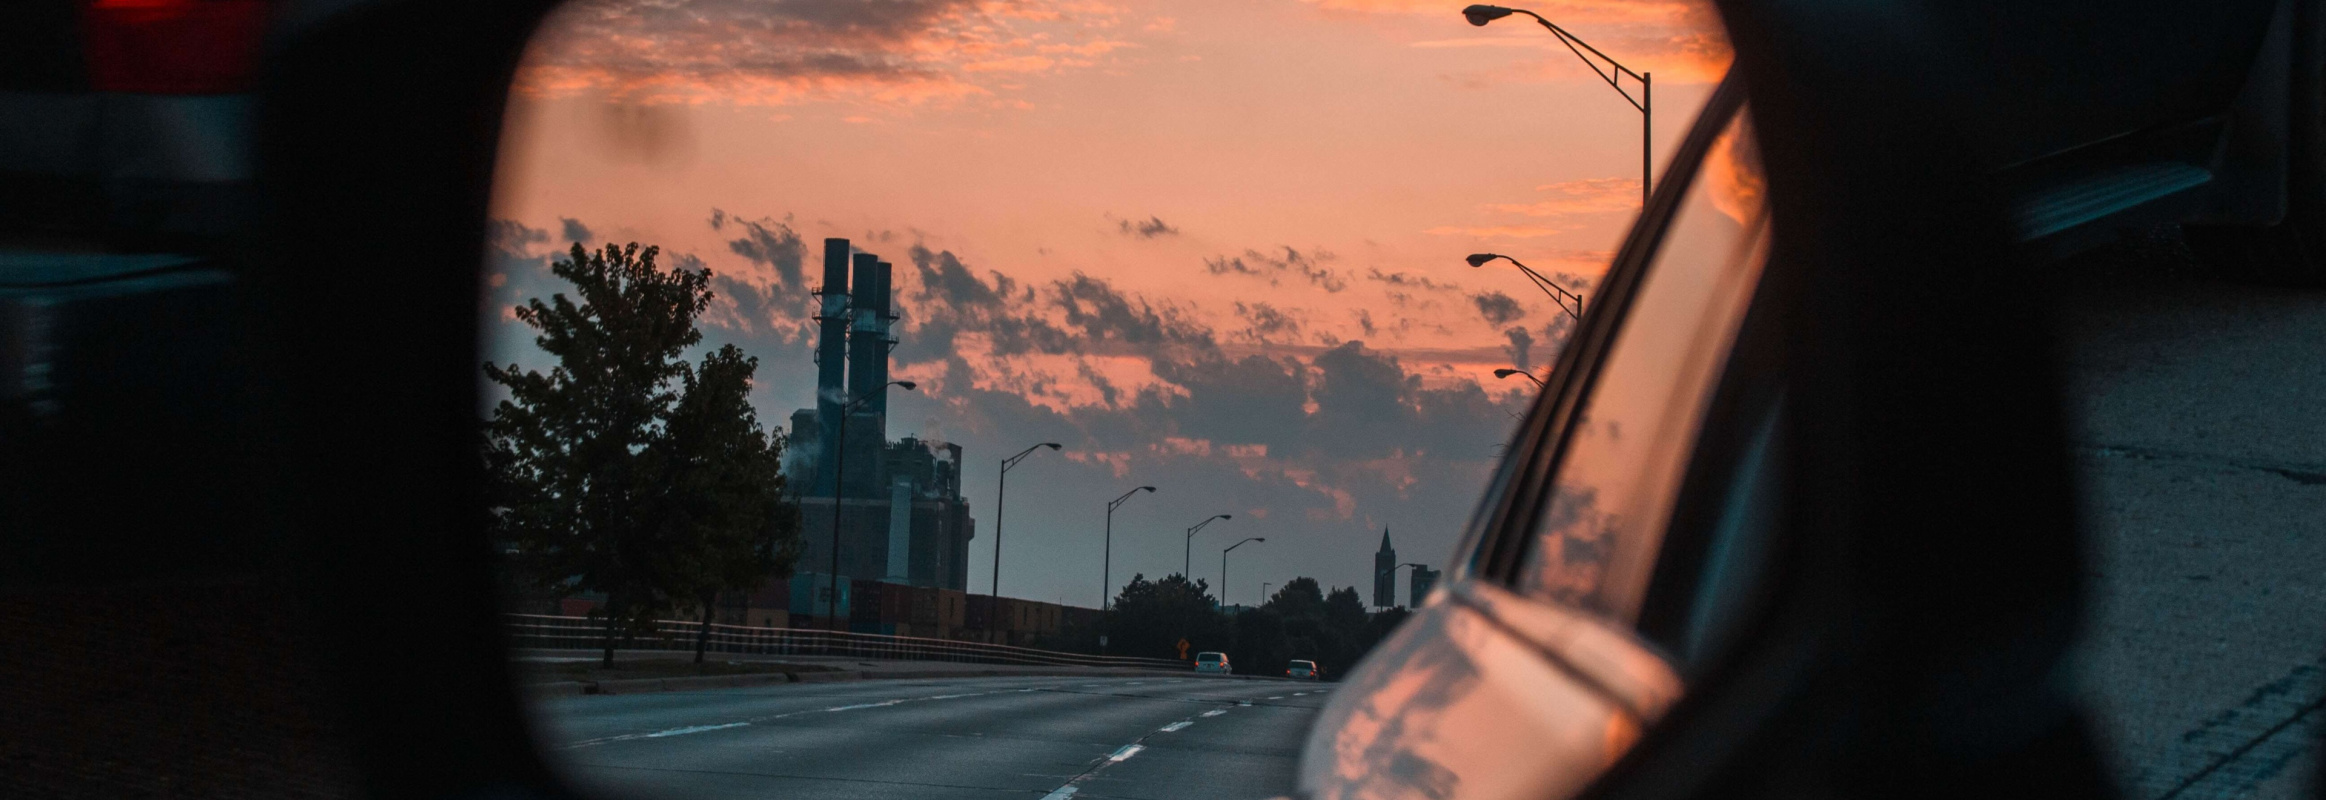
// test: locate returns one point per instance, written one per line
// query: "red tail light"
(173, 46)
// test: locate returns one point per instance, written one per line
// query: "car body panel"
(1458, 704)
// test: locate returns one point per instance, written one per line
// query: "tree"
(625, 469)
(1150, 617)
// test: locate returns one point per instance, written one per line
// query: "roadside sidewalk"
(770, 670)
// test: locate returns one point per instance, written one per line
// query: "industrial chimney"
(831, 359)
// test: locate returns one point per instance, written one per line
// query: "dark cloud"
(1498, 308)
(1153, 227)
(769, 243)
(575, 231)
(626, 45)
(1308, 266)
(1266, 323)
(1403, 280)
(1521, 347)
(1106, 315)
(510, 239)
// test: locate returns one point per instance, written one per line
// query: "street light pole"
(993, 601)
(839, 483)
(1105, 571)
(1224, 566)
(1481, 14)
(1187, 547)
(1559, 294)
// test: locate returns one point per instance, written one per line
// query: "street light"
(993, 601)
(1507, 372)
(1105, 571)
(1559, 294)
(1106, 578)
(839, 480)
(1481, 14)
(1188, 546)
(1224, 566)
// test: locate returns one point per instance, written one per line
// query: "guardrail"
(584, 633)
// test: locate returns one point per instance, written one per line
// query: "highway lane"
(2199, 411)
(1051, 738)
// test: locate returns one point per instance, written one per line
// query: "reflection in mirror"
(831, 343)
(1628, 448)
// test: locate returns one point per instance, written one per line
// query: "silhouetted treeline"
(1301, 621)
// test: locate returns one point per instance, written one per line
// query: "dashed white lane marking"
(1125, 754)
(1278, 697)
(1062, 793)
(1299, 694)
(881, 704)
(1174, 727)
(694, 729)
(1215, 712)
(1243, 702)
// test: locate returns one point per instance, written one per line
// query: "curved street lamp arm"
(1606, 74)
(1111, 504)
(1013, 460)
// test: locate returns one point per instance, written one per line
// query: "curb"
(645, 685)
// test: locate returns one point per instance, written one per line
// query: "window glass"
(1624, 455)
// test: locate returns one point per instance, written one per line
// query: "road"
(2199, 409)
(984, 738)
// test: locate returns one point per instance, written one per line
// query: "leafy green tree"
(626, 469)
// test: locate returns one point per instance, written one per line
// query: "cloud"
(1680, 41)
(769, 52)
(575, 231)
(1498, 231)
(1498, 308)
(1308, 266)
(1404, 280)
(1587, 196)
(1521, 347)
(1266, 323)
(1153, 227)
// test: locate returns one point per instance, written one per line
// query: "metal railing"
(585, 633)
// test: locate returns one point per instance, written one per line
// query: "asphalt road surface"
(2199, 408)
(1025, 738)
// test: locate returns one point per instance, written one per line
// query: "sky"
(1213, 246)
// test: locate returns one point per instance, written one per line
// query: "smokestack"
(831, 358)
(867, 353)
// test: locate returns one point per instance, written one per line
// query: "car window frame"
(1501, 538)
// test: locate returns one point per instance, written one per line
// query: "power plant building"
(902, 519)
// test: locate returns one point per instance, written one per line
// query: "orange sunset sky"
(1213, 246)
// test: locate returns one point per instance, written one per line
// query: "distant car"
(1304, 670)
(1213, 664)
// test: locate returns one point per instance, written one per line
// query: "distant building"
(1385, 573)
(1424, 579)
(902, 519)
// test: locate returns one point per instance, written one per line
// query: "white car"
(1213, 664)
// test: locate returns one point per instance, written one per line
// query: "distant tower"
(1385, 573)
